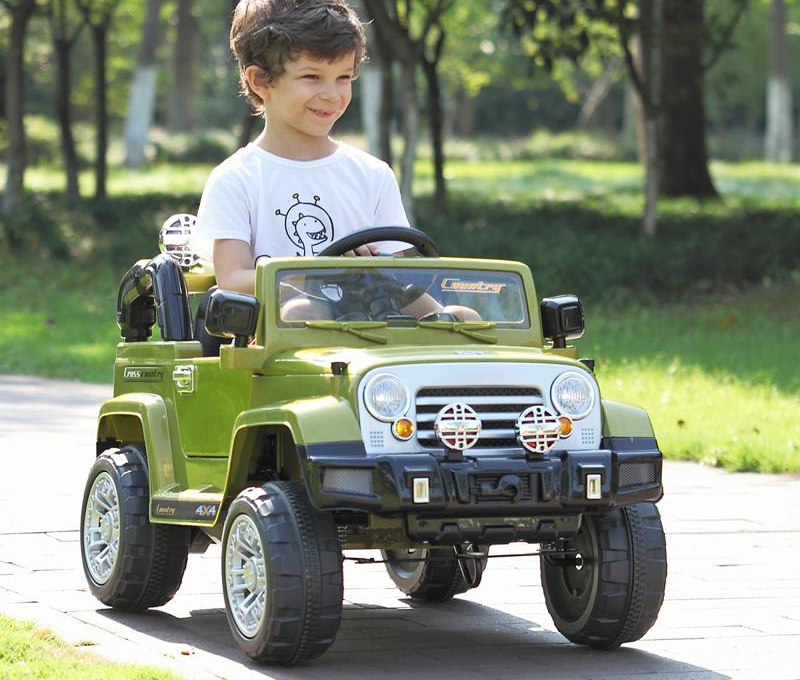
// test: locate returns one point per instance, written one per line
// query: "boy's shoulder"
(356, 155)
(239, 162)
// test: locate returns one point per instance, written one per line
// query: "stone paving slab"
(732, 608)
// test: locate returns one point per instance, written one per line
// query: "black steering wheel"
(384, 298)
(419, 239)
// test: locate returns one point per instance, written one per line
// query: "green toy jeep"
(428, 407)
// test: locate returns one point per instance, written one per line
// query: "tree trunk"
(649, 84)
(466, 115)
(410, 131)
(14, 98)
(386, 107)
(142, 98)
(182, 108)
(370, 88)
(3, 85)
(681, 130)
(64, 114)
(779, 137)
(437, 140)
(597, 94)
(100, 167)
(371, 96)
(651, 177)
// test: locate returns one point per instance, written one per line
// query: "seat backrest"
(210, 343)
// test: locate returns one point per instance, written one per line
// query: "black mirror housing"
(562, 319)
(232, 315)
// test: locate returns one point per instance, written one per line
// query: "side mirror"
(232, 315)
(562, 319)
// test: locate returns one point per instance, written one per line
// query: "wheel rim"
(572, 587)
(101, 528)
(406, 563)
(246, 576)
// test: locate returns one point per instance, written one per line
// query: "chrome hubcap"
(101, 528)
(405, 563)
(246, 576)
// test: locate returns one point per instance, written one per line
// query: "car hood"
(359, 361)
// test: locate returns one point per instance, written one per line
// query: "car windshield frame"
(344, 293)
(298, 336)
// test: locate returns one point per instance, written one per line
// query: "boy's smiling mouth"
(322, 113)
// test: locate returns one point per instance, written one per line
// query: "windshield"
(403, 296)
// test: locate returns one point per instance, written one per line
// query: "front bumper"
(342, 477)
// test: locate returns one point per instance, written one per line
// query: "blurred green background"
(528, 149)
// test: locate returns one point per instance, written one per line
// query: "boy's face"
(309, 97)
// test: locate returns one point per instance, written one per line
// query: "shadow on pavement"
(459, 639)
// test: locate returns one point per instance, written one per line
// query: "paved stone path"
(732, 608)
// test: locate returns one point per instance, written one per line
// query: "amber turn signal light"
(566, 426)
(403, 429)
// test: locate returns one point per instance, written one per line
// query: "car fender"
(320, 420)
(625, 420)
(115, 423)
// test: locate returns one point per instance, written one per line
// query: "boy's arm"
(233, 266)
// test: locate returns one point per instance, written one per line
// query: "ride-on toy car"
(426, 406)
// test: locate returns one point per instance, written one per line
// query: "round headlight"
(573, 395)
(386, 397)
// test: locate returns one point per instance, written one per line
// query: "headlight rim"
(557, 405)
(365, 397)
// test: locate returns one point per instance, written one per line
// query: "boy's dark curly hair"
(268, 33)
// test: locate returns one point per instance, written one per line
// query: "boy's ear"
(256, 78)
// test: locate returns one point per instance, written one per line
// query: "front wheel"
(129, 563)
(281, 574)
(610, 590)
(433, 574)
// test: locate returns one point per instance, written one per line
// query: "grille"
(497, 407)
(347, 480)
(633, 474)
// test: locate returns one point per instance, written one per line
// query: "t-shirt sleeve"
(389, 211)
(224, 212)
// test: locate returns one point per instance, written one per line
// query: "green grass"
(58, 321)
(30, 652)
(714, 375)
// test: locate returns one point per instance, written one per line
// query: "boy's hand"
(363, 251)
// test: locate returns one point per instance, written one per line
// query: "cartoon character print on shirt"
(308, 226)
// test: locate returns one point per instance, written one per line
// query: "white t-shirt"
(285, 208)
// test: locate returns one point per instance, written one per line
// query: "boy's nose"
(329, 92)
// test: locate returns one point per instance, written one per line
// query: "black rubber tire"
(304, 582)
(437, 577)
(615, 595)
(151, 558)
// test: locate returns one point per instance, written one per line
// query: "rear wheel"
(433, 574)
(611, 590)
(129, 563)
(281, 574)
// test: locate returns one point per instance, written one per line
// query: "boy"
(294, 190)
